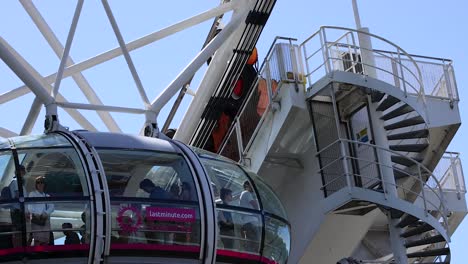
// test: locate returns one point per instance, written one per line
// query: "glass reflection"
(66, 221)
(270, 201)
(236, 234)
(239, 215)
(61, 169)
(232, 177)
(277, 240)
(147, 174)
(40, 141)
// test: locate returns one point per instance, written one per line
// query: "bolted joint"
(151, 130)
(51, 123)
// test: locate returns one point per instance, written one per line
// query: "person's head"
(147, 185)
(247, 186)
(66, 227)
(40, 183)
(226, 195)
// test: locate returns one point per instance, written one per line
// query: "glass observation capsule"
(88, 197)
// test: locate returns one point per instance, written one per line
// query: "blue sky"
(432, 28)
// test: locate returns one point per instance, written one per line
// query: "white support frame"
(41, 87)
(36, 83)
(66, 52)
(125, 52)
(58, 49)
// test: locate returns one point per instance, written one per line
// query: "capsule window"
(153, 201)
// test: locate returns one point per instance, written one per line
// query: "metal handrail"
(456, 172)
(417, 76)
(386, 56)
(387, 41)
(382, 181)
(383, 70)
(422, 170)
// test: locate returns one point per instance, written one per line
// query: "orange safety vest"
(253, 58)
(263, 94)
(219, 132)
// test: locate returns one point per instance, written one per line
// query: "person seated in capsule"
(71, 237)
(155, 192)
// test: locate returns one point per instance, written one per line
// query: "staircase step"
(412, 134)
(404, 109)
(399, 174)
(387, 103)
(417, 230)
(405, 123)
(395, 214)
(404, 161)
(376, 96)
(409, 147)
(425, 241)
(407, 220)
(429, 253)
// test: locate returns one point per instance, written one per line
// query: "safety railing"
(345, 170)
(438, 75)
(339, 49)
(281, 65)
(449, 172)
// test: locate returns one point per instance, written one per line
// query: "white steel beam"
(5, 133)
(80, 80)
(141, 42)
(17, 64)
(66, 52)
(109, 108)
(32, 117)
(36, 83)
(13, 94)
(127, 57)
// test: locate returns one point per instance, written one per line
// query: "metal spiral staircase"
(409, 135)
(413, 142)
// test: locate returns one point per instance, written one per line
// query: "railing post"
(349, 181)
(294, 66)
(396, 79)
(268, 83)
(448, 84)
(422, 189)
(402, 74)
(309, 77)
(326, 57)
(444, 209)
(454, 84)
(454, 169)
(240, 145)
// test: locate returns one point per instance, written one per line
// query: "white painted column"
(365, 44)
(384, 158)
(396, 242)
